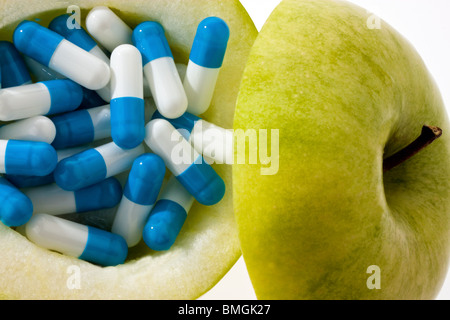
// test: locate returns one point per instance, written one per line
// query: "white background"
(426, 24)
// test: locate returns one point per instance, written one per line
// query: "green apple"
(208, 245)
(345, 96)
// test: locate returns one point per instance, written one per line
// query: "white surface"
(51, 199)
(98, 52)
(3, 145)
(199, 84)
(107, 28)
(118, 160)
(126, 72)
(80, 66)
(110, 31)
(213, 142)
(57, 234)
(174, 191)
(164, 140)
(129, 220)
(426, 24)
(105, 92)
(24, 101)
(101, 120)
(41, 72)
(37, 128)
(166, 87)
(65, 153)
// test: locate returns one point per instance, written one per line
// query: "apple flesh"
(208, 245)
(330, 224)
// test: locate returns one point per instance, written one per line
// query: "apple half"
(345, 95)
(208, 244)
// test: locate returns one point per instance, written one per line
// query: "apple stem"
(428, 135)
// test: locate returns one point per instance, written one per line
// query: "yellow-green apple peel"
(344, 97)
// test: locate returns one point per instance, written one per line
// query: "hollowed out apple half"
(208, 244)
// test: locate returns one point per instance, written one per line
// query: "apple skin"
(343, 97)
(208, 244)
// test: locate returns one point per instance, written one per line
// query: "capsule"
(94, 165)
(77, 36)
(107, 28)
(193, 172)
(21, 181)
(167, 216)
(55, 52)
(27, 157)
(41, 98)
(127, 103)
(82, 126)
(140, 193)
(213, 142)
(53, 200)
(16, 208)
(160, 69)
(205, 60)
(82, 39)
(73, 239)
(38, 128)
(91, 99)
(14, 71)
(110, 31)
(42, 73)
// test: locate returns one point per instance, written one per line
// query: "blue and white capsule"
(81, 127)
(73, 239)
(41, 98)
(14, 71)
(52, 50)
(205, 61)
(189, 167)
(22, 181)
(40, 73)
(94, 165)
(31, 158)
(37, 128)
(82, 39)
(53, 200)
(160, 69)
(16, 208)
(127, 103)
(140, 193)
(214, 143)
(167, 216)
(77, 36)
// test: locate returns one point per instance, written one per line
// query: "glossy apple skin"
(343, 97)
(208, 245)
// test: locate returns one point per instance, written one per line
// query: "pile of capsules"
(90, 85)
